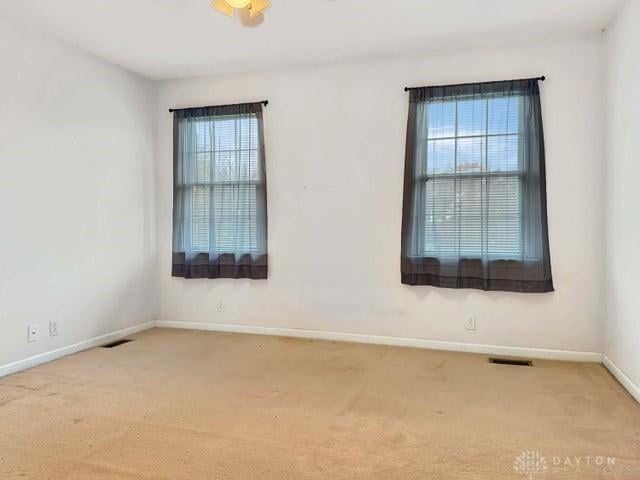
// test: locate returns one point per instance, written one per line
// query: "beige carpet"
(197, 405)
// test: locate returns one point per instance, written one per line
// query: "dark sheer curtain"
(220, 194)
(474, 209)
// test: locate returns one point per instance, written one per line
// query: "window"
(471, 186)
(219, 193)
(229, 146)
(474, 212)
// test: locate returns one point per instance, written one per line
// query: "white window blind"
(224, 181)
(472, 181)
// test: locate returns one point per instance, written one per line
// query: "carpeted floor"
(178, 404)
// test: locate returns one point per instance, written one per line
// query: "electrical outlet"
(470, 323)
(32, 332)
(221, 307)
(53, 328)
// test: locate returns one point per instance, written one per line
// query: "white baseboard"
(539, 353)
(622, 377)
(30, 362)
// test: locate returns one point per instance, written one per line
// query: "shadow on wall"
(463, 294)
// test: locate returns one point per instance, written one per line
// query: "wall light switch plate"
(53, 328)
(221, 307)
(32, 332)
(470, 323)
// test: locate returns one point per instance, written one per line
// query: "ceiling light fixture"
(255, 7)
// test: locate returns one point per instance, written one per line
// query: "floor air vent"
(116, 344)
(510, 361)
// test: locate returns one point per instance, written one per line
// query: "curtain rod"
(542, 78)
(264, 102)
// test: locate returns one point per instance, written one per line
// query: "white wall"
(335, 150)
(76, 194)
(622, 192)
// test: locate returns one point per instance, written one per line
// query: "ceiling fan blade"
(258, 6)
(223, 6)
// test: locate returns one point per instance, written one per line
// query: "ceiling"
(178, 38)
